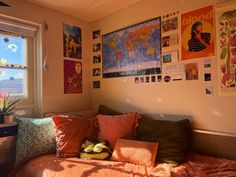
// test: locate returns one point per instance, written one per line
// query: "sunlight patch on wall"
(216, 113)
(159, 100)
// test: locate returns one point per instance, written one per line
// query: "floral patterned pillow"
(35, 137)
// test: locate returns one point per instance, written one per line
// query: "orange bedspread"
(195, 166)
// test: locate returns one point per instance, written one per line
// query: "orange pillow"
(137, 152)
(92, 130)
(70, 133)
(119, 126)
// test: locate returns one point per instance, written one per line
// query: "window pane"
(13, 81)
(12, 50)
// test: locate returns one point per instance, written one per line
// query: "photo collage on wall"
(96, 71)
(174, 49)
(199, 45)
(72, 53)
(172, 69)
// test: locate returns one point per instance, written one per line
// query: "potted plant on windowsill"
(7, 104)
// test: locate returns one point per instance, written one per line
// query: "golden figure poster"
(197, 33)
(72, 42)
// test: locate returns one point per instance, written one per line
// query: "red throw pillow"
(119, 126)
(70, 133)
(137, 152)
(92, 130)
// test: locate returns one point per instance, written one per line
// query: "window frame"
(34, 31)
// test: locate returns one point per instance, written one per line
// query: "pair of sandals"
(92, 150)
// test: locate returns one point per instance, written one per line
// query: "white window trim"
(26, 28)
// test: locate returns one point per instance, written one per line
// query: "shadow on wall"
(132, 108)
(207, 143)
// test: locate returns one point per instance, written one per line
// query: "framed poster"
(72, 43)
(226, 50)
(96, 47)
(197, 33)
(96, 84)
(72, 77)
(96, 59)
(96, 34)
(135, 50)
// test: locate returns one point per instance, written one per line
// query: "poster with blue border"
(72, 42)
(135, 50)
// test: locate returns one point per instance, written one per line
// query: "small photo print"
(209, 90)
(192, 71)
(96, 72)
(173, 39)
(96, 34)
(168, 41)
(165, 41)
(96, 84)
(96, 47)
(170, 24)
(136, 80)
(167, 58)
(207, 63)
(97, 59)
(172, 56)
(207, 76)
(147, 79)
(159, 78)
(141, 79)
(153, 78)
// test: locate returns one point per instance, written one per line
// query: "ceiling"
(88, 10)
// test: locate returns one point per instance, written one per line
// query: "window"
(13, 65)
(18, 48)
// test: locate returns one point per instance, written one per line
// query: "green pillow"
(35, 137)
(107, 111)
(173, 138)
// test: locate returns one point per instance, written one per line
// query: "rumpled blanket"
(195, 166)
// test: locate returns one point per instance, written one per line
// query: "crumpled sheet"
(195, 166)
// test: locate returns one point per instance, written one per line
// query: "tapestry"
(226, 50)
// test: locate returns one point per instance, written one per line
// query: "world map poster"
(135, 50)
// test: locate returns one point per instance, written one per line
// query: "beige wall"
(54, 98)
(184, 97)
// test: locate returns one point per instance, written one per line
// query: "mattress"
(195, 166)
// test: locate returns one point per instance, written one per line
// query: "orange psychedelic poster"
(197, 33)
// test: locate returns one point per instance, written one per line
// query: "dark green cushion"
(107, 111)
(173, 138)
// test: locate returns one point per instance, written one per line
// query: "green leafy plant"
(7, 104)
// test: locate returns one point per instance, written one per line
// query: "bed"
(195, 166)
(172, 140)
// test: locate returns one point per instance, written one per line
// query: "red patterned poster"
(197, 33)
(72, 77)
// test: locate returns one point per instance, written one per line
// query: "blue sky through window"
(12, 55)
(12, 51)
